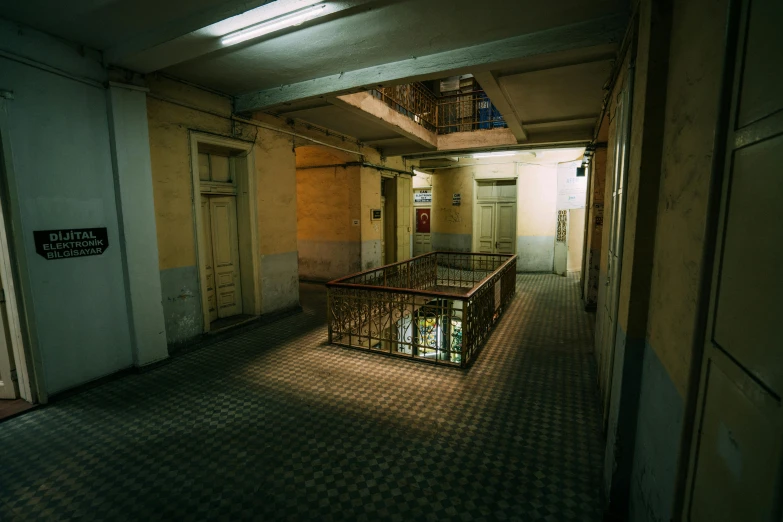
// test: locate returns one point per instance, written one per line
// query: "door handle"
(496, 245)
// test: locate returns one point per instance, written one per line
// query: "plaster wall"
(61, 178)
(452, 226)
(594, 224)
(170, 128)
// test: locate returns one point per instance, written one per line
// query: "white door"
(505, 228)
(496, 227)
(225, 255)
(736, 457)
(615, 247)
(8, 385)
(206, 240)
(422, 239)
(486, 227)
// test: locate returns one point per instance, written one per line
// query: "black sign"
(71, 242)
(376, 214)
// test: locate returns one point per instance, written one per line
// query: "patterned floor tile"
(274, 424)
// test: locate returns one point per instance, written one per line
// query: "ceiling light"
(274, 24)
(494, 154)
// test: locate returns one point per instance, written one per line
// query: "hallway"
(274, 424)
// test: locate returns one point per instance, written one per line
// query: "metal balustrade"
(438, 307)
(467, 112)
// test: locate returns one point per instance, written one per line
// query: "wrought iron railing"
(456, 113)
(413, 100)
(467, 112)
(438, 307)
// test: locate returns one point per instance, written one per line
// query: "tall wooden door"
(383, 230)
(225, 255)
(505, 228)
(736, 465)
(485, 227)
(496, 227)
(615, 247)
(209, 270)
(404, 211)
(8, 385)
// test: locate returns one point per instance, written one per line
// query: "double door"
(221, 247)
(496, 227)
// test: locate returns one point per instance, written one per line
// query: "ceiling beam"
(366, 106)
(498, 98)
(469, 59)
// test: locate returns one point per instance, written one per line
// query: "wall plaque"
(456, 199)
(71, 242)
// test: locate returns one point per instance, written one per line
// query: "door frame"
(15, 274)
(247, 221)
(414, 219)
(476, 201)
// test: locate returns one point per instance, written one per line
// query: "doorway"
(495, 217)
(422, 207)
(226, 231)
(18, 388)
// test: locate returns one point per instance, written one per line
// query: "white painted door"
(505, 228)
(8, 385)
(615, 247)
(209, 270)
(225, 255)
(496, 227)
(486, 227)
(736, 457)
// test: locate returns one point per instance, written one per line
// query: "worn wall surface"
(695, 63)
(594, 225)
(328, 200)
(536, 217)
(576, 238)
(452, 226)
(370, 187)
(170, 128)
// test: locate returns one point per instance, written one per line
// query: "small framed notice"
(456, 199)
(375, 214)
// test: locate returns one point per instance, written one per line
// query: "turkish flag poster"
(422, 220)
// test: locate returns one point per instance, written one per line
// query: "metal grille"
(457, 113)
(437, 307)
(413, 100)
(562, 225)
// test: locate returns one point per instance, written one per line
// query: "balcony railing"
(457, 113)
(438, 307)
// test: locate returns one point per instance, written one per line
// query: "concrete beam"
(499, 99)
(480, 139)
(470, 59)
(371, 108)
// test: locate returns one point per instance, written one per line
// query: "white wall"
(56, 128)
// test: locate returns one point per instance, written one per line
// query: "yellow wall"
(174, 111)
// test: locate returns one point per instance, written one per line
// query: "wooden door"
(8, 385)
(383, 230)
(736, 459)
(485, 226)
(404, 211)
(209, 271)
(225, 255)
(422, 238)
(505, 228)
(615, 247)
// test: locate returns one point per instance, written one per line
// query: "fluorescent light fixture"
(494, 154)
(274, 24)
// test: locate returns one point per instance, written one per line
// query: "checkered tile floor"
(273, 424)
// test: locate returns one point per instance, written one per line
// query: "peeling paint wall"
(170, 126)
